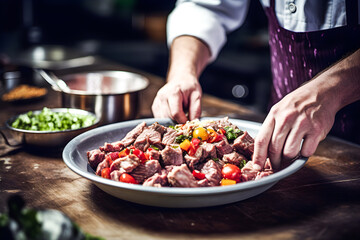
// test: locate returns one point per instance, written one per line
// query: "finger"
(195, 105)
(277, 142)
(160, 108)
(309, 145)
(175, 106)
(293, 144)
(262, 142)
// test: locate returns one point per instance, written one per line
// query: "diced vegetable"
(195, 142)
(124, 153)
(198, 175)
(140, 154)
(231, 171)
(185, 145)
(231, 133)
(48, 120)
(225, 182)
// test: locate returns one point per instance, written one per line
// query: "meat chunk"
(154, 155)
(125, 164)
(209, 150)
(95, 157)
(146, 170)
(172, 156)
(223, 147)
(234, 158)
(180, 176)
(212, 173)
(249, 173)
(191, 161)
(157, 180)
(133, 134)
(126, 141)
(115, 175)
(101, 166)
(169, 136)
(244, 144)
(148, 137)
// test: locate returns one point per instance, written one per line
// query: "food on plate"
(195, 154)
(48, 120)
(24, 92)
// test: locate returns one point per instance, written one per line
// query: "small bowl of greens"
(49, 127)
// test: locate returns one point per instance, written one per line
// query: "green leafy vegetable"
(48, 120)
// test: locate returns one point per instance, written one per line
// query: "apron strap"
(352, 12)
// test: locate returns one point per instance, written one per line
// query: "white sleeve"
(208, 20)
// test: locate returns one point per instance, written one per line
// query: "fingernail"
(256, 167)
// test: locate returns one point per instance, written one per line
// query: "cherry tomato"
(200, 132)
(127, 178)
(105, 173)
(198, 175)
(232, 172)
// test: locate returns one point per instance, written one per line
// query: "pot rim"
(111, 73)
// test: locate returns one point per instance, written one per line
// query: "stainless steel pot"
(44, 139)
(112, 95)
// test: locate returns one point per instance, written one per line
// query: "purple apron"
(298, 57)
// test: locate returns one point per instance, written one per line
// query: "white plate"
(75, 158)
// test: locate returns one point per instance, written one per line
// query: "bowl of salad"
(48, 128)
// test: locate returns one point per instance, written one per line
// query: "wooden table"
(321, 201)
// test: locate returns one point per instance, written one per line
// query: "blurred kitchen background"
(132, 33)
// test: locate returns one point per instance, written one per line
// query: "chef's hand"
(298, 116)
(182, 92)
(180, 95)
(307, 114)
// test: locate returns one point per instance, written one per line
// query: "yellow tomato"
(200, 132)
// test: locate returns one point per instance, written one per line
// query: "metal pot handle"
(18, 144)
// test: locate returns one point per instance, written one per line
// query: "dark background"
(132, 32)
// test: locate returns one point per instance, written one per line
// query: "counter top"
(320, 201)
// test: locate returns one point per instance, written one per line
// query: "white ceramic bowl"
(75, 158)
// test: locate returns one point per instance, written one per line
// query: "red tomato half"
(127, 178)
(230, 171)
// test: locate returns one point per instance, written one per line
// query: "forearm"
(341, 82)
(188, 55)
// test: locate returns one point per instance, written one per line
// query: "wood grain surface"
(320, 201)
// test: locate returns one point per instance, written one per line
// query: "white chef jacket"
(211, 20)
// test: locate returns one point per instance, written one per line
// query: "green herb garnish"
(231, 133)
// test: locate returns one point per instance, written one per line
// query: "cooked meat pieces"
(153, 157)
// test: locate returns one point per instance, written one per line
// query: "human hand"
(181, 94)
(303, 115)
